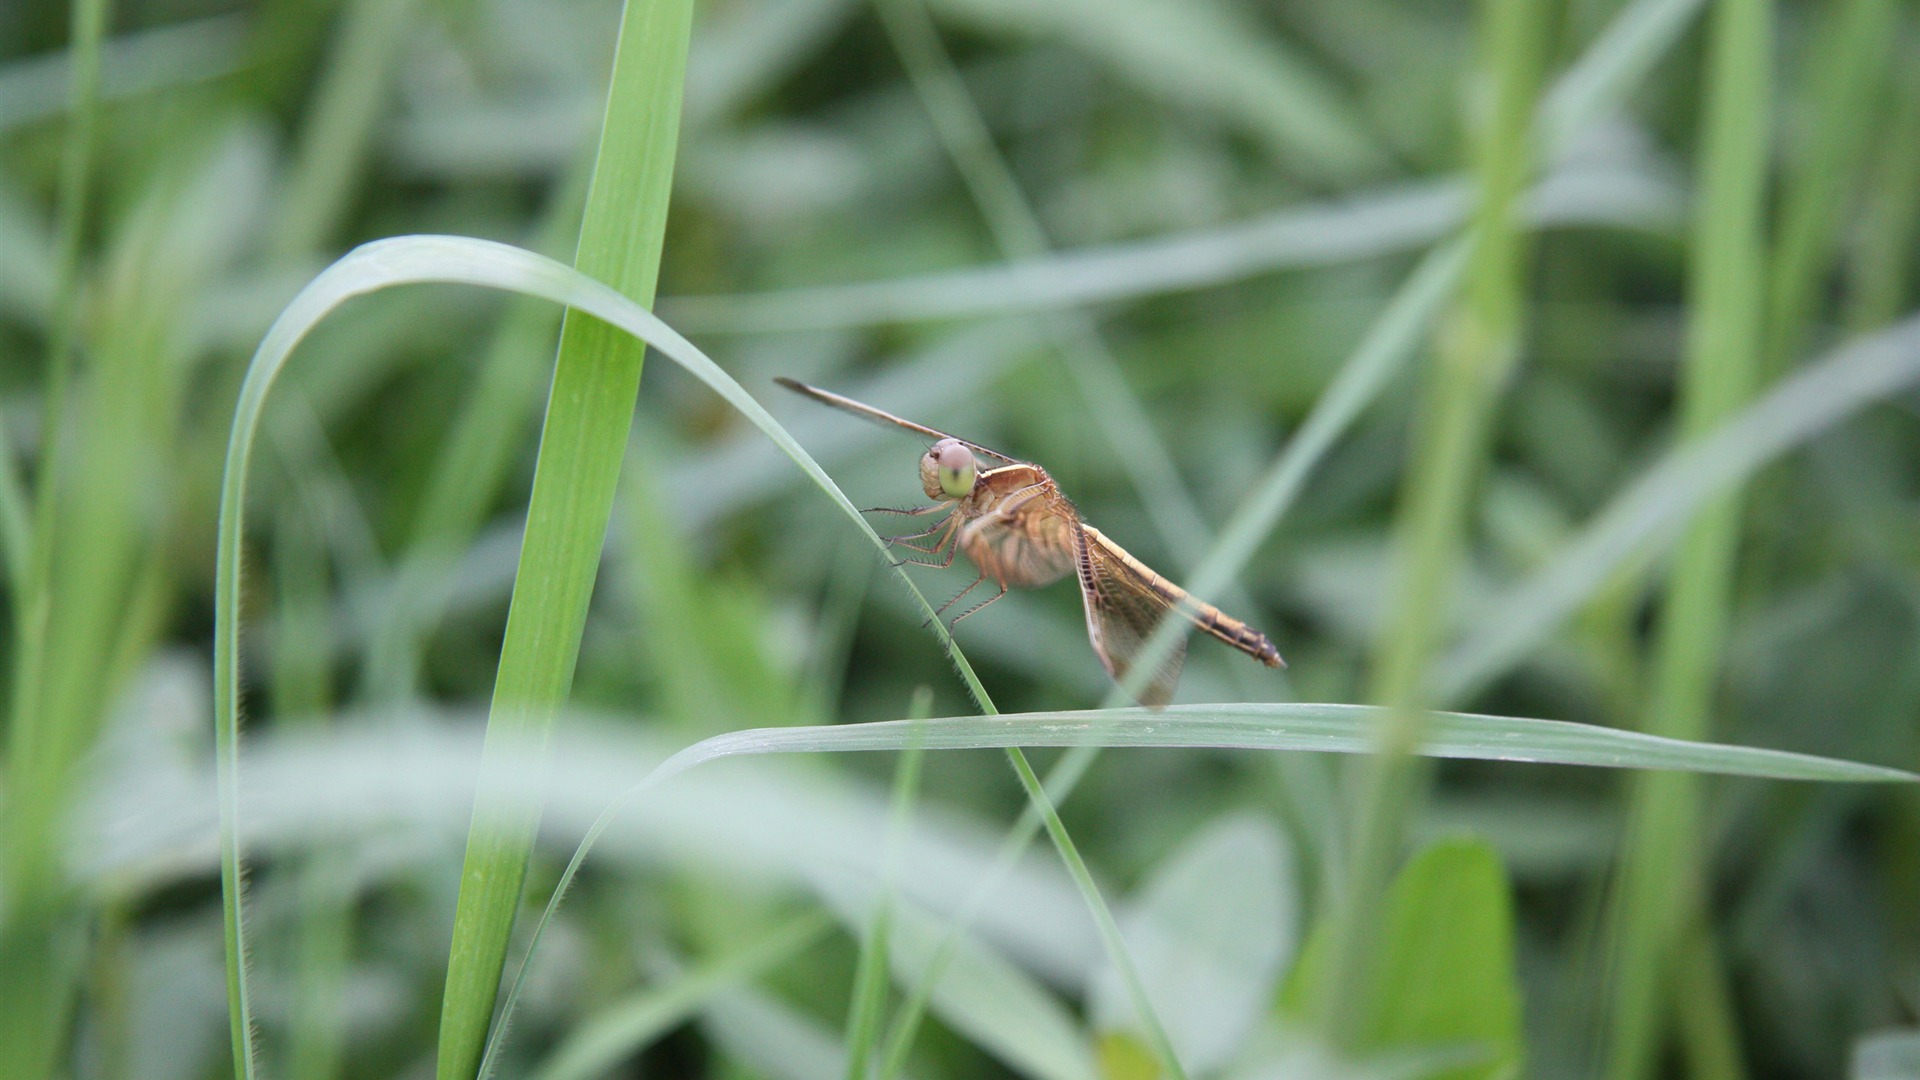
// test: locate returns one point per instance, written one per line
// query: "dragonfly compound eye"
(955, 468)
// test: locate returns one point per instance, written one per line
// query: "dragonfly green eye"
(953, 465)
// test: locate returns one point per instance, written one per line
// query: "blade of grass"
(1600, 81)
(1110, 935)
(1061, 780)
(630, 1023)
(1878, 268)
(37, 88)
(1851, 49)
(1705, 1006)
(1474, 354)
(1363, 226)
(1659, 884)
(582, 443)
(358, 778)
(870, 977)
(32, 578)
(1860, 373)
(471, 467)
(1320, 728)
(347, 108)
(983, 996)
(455, 260)
(1214, 58)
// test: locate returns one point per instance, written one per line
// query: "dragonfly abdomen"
(1235, 633)
(1203, 615)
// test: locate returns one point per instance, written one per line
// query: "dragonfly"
(1013, 523)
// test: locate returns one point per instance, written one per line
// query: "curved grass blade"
(418, 260)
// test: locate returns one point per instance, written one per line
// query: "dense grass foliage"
(1550, 364)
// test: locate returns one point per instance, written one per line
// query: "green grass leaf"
(1213, 58)
(1446, 956)
(1338, 729)
(416, 260)
(582, 444)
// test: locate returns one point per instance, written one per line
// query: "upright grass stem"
(1476, 349)
(589, 417)
(1847, 79)
(474, 463)
(1660, 879)
(36, 960)
(347, 109)
(1878, 270)
(870, 979)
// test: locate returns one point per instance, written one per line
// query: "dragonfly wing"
(1123, 610)
(880, 416)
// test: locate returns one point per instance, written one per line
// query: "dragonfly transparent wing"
(1123, 610)
(882, 416)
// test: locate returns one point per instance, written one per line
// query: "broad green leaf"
(1449, 966)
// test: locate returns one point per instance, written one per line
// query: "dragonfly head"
(947, 471)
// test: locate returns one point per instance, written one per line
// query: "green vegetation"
(396, 681)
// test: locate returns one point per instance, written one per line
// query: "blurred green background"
(1136, 241)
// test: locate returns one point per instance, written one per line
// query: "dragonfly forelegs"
(918, 511)
(904, 537)
(948, 530)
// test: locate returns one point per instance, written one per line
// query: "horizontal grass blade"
(1338, 729)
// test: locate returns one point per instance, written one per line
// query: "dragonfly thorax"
(947, 471)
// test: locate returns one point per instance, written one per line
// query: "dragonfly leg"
(978, 606)
(944, 543)
(937, 564)
(918, 511)
(904, 537)
(942, 609)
